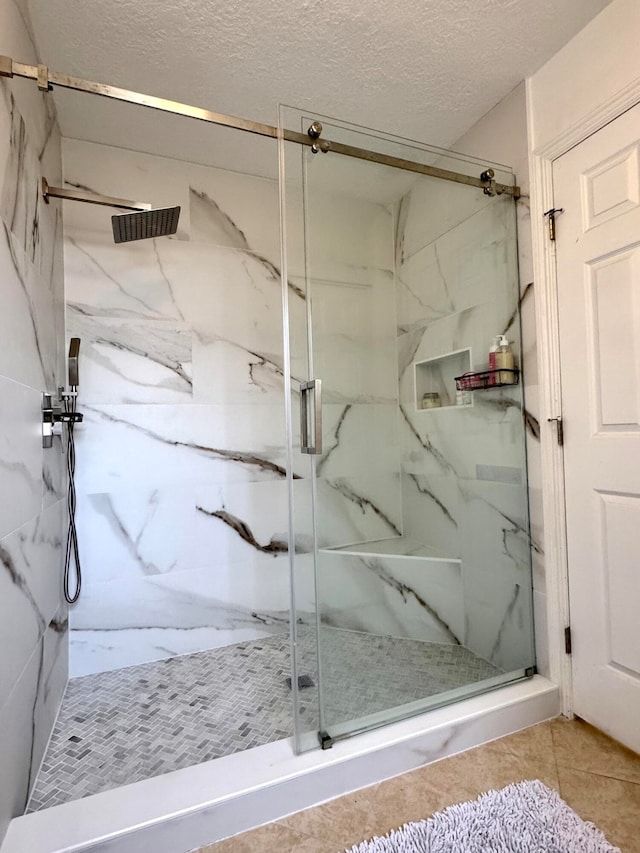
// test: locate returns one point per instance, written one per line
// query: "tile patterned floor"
(119, 727)
(597, 777)
(365, 673)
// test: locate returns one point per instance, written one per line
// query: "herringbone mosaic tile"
(119, 727)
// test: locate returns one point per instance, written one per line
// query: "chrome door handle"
(314, 446)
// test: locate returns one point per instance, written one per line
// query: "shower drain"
(303, 681)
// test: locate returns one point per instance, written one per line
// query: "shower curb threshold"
(186, 809)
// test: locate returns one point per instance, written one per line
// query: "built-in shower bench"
(398, 586)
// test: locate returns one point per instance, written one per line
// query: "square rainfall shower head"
(144, 224)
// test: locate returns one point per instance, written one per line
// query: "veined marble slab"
(30, 562)
(33, 625)
(415, 597)
(20, 455)
(133, 361)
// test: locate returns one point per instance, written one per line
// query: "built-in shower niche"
(437, 376)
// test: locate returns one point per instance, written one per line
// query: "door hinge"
(559, 429)
(551, 218)
(567, 640)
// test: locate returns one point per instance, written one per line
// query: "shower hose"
(72, 554)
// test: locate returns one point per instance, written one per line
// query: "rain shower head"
(144, 224)
(140, 223)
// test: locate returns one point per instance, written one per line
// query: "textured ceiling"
(424, 69)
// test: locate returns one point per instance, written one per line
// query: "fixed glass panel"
(412, 568)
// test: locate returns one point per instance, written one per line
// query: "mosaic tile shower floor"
(126, 725)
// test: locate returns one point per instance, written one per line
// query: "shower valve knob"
(53, 417)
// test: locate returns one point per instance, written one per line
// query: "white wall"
(590, 70)
(33, 621)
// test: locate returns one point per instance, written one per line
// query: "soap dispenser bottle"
(504, 362)
(493, 377)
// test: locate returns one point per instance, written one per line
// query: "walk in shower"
(278, 540)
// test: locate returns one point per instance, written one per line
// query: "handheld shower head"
(74, 352)
(144, 224)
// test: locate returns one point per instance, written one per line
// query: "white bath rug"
(524, 818)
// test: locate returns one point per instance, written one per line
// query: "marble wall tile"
(488, 433)
(34, 639)
(17, 726)
(457, 288)
(347, 234)
(130, 621)
(495, 556)
(28, 715)
(504, 131)
(368, 506)
(135, 532)
(182, 454)
(128, 361)
(30, 571)
(51, 687)
(432, 209)
(345, 453)
(26, 318)
(20, 455)
(170, 445)
(54, 472)
(20, 196)
(354, 347)
(229, 373)
(464, 267)
(431, 509)
(227, 209)
(409, 597)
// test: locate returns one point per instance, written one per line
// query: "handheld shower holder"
(68, 393)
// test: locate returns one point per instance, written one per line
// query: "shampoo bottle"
(504, 361)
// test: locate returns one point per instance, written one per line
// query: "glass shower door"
(411, 570)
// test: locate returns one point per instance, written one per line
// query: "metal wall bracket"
(43, 79)
(6, 66)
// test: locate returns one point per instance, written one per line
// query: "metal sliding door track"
(47, 80)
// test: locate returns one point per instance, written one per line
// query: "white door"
(598, 262)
